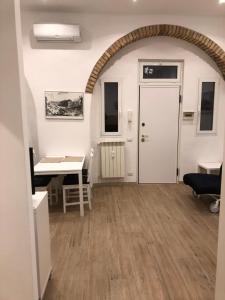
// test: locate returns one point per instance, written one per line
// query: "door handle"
(142, 140)
(144, 135)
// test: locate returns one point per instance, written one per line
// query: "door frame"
(180, 86)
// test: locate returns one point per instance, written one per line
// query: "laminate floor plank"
(140, 242)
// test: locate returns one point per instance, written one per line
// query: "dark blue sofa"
(205, 184)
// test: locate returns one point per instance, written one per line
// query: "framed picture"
(64, 105)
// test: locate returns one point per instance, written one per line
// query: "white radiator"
(112, 159)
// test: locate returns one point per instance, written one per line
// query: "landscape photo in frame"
(64, 105)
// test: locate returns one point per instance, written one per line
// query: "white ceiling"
(186, 7)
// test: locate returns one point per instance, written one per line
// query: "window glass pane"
(111, 106)
(159, 72)
(207, 106)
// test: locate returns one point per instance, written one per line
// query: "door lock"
(142, 139)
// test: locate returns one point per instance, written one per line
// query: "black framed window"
(111, 107)
(160, 71)
(207, 106)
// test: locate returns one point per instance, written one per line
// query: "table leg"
(81, 194)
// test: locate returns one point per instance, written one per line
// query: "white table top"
(58, 168)
(210, 165)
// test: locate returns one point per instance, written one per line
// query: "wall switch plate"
(130, 116)
(130, 139)
(130, 174)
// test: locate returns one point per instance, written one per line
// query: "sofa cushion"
(203, 183)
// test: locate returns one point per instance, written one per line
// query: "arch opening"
(212, 49)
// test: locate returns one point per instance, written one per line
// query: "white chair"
(53, 191)
(49, 187)
(71, 187)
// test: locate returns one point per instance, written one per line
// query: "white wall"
(51, 66)
(124, 66)
(220, 274)
(31, 120)
(18, 278)
(67, 67)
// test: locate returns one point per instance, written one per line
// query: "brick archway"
(179, 32)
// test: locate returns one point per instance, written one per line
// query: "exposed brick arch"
(179, 32)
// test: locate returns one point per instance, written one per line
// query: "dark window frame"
(203, 107)
(177, 64)
(104, 130)
(160, 72)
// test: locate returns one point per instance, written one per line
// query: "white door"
(158, 134)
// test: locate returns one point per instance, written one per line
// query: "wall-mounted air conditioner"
(57, 32)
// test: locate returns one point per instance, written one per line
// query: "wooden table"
(63, 167)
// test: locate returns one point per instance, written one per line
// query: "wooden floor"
(139, 242)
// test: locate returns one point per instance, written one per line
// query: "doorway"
(158, 134)
(159, 110)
